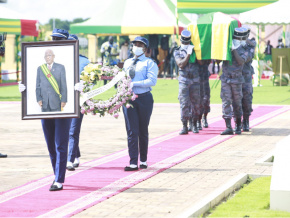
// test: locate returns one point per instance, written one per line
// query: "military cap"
(240, 33)
(73, 37)
(185, 36)
(248, 29)
(142, 39)
(60, 33)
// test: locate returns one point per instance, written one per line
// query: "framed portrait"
(49, 71)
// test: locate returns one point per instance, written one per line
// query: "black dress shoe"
(131, 168)
(143, 166)
(70, 168)
(55, 188)
(76, 165)
(3, 155)
(52, 183)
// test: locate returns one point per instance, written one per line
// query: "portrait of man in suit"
(51, 87)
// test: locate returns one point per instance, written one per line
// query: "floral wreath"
(93, 73)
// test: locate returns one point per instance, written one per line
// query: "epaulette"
(153, 60)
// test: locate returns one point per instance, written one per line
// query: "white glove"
(80, 86)
(131, 85)
(21, 87)
(189, 49)
(236, 44)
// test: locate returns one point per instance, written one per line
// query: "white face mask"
(236, 42)
(137, 50)
(243, 43)
(184, 46)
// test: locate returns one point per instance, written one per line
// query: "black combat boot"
(235, 120)
(238, 130)
(246, 127)
(195, 129)
(184, 130)
(199, 123)
(190, 125)
(229, 129)
(204, 121)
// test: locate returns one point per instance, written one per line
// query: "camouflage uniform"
(189, 88)
(231, 85)
(248, 71)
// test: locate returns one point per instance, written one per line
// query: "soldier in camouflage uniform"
(205, 95)
(189, 87)
(247, 88)
(231, 83)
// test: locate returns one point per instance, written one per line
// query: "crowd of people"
(62, 135)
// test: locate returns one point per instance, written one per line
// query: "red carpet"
(95, 181)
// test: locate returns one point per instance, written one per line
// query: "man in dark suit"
(51, 96)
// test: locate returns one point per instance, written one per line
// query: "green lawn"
(166, 91)
(251, 201)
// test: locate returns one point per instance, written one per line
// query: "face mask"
(138, 50)
(184, 46)
(243, 43)
(236, 42)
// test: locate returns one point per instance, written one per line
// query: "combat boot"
(199, 123)
(238, 130)
(229, 129)
(195, 129)
(246, 127)
(190, 125)
(204, 121)
(184, 130)
(235, 120)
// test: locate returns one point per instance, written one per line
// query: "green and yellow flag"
(212, 35)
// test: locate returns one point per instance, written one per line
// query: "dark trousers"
(74, 138)
(137, 121)
(56, 133)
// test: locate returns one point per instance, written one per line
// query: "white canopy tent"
(275, 13)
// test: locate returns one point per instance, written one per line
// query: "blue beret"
(141, 39)
(73, 37)
(185, 36)
(60, 33)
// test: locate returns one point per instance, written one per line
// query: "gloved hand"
(131, 85)
(21, 87)
(80, 86)
(189, 49)
(236, 44)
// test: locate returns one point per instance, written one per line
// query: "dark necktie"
(132, 68)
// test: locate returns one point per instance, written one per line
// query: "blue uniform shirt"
(83, 61)
(145, 73)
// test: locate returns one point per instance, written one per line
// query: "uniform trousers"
(74, 138)
(206, 97)
(189, 99)
(137, 121)
(56, 133)
(247, 98)
(231, 95)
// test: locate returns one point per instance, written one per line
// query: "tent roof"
(225, 6)
(133, 17)
(275, 13)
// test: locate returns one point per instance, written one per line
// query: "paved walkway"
(169, 193)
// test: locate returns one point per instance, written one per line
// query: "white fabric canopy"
(275, 13)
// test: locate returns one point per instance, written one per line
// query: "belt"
(143, 94)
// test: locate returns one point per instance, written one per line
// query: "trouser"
(231, 95)
(74, 134)
(48, 109)
(189, 99)
(173, 66)
(247, 98)
(56, 133)
(137, 121)
(206, 97)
